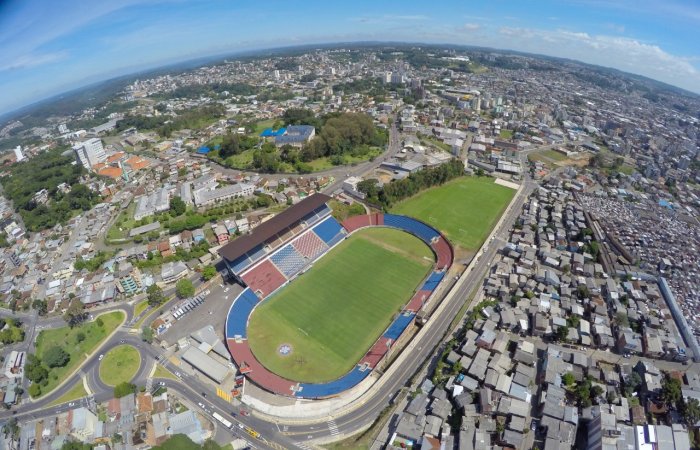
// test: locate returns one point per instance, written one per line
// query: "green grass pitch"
(332, 314)
(464, 209)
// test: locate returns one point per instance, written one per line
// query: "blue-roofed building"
(296, 135)
(203, 150)
(269, 132)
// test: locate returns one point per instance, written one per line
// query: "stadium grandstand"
(286, 245)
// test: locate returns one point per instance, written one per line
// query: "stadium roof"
(266, 230)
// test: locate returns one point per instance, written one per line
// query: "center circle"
(284, 350)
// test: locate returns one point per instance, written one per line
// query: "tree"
(56, 357)
(632, 383)
(568, 379)
(80, 337)
(75, 445)
(208, 273)
(177, 206)
(124, 389)
(34, 370)
(671, 391)
(562, 333)
(40, 306)
(75, 313)
(369, 188)
(147, 334)
(691, 411)
(573, 321)
(184, 288)
(155, 295)
(230, 146)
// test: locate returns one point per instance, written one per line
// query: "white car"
(101, 356)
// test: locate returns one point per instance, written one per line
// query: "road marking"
(333, 428)
(223, 394)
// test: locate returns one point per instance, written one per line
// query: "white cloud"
(471, 27)
(622, 53)
(32, 60)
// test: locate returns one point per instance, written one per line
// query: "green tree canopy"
(155, 295)
(184, 288)
(177, 206)
(56, 357)
(124, 389)
(208, 273)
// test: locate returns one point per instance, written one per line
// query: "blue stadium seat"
(342, 384)
(398, 326)
(256, 253)
(328, 230)
(237, 320)
(288, 260)
(432, 281)
(240, 263)
(412, 226)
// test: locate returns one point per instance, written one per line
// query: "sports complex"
(325, 303)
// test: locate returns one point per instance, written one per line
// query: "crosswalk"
(333, 428)
(149, 384)
(223, 394)
(302, 446)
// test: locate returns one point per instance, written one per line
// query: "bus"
(221, 419)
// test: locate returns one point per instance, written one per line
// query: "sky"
(51, 46)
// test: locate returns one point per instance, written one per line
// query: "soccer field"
(331, 315)
(464, 209)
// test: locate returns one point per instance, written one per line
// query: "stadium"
(324, 302)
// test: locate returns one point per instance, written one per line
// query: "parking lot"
(190, 315)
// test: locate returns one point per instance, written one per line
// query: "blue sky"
(50, 46)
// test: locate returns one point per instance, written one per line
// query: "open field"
(75, 393)
(506, 134)
(464, 209)
(78, 350)
(162, 372)
(120, 365)
(332, 314)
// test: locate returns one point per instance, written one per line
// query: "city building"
(90, 152)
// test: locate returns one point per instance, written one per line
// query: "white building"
(90, 152)
(205, 197)
(172, 271)
(19, 156)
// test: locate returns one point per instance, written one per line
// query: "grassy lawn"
(332, 314)
(554, 155)
(263, 125)
(75, 393)
(244, 160)
(506, 134)
(66, 337)
(465, 209)
(433, 142)
(241, 160)
(162, 372)
(120, 365)
(126, 218)
(140, 307)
